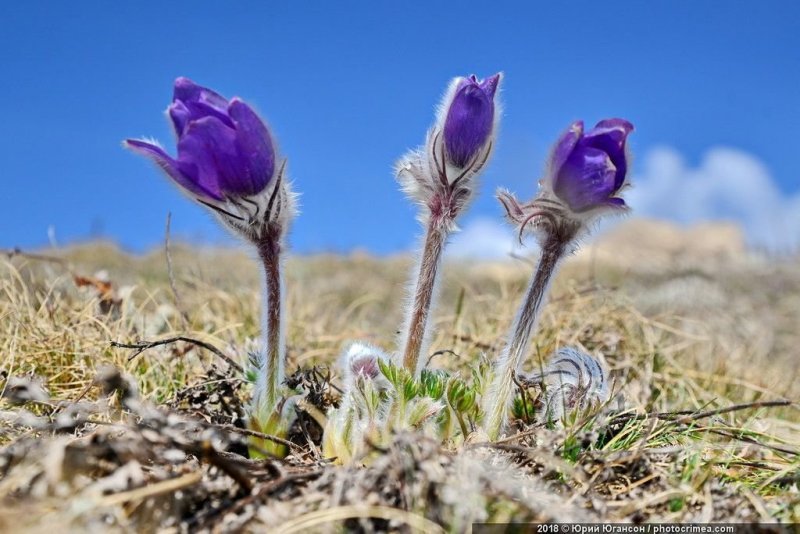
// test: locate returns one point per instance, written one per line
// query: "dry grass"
(692, 336)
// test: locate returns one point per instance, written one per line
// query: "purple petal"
(209, 153)
(255, 144)
(489, 85)
(173, 168)
(609, 136)
(622, 124)
(182, 113)
(180, 116)
(192, 102)
(469, 120)
(586, 180)
(187, 91)
(564, 147)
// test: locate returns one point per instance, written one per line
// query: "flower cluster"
(226, 160)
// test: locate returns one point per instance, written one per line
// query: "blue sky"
(347, 87)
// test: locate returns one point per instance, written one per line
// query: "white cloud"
(484, 238)
(728, 184)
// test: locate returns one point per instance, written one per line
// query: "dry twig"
(144, 345)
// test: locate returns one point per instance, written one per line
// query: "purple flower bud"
(587, 170)
(366, 366)
(224, 149)
(470, 119)
(361, 361)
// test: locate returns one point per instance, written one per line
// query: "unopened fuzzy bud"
(362, 361)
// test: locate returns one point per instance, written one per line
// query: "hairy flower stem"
(424, 292)
(496, 403)
(273, 350)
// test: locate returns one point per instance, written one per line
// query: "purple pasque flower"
(470, 117)
(588, 169)
(224, 148)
